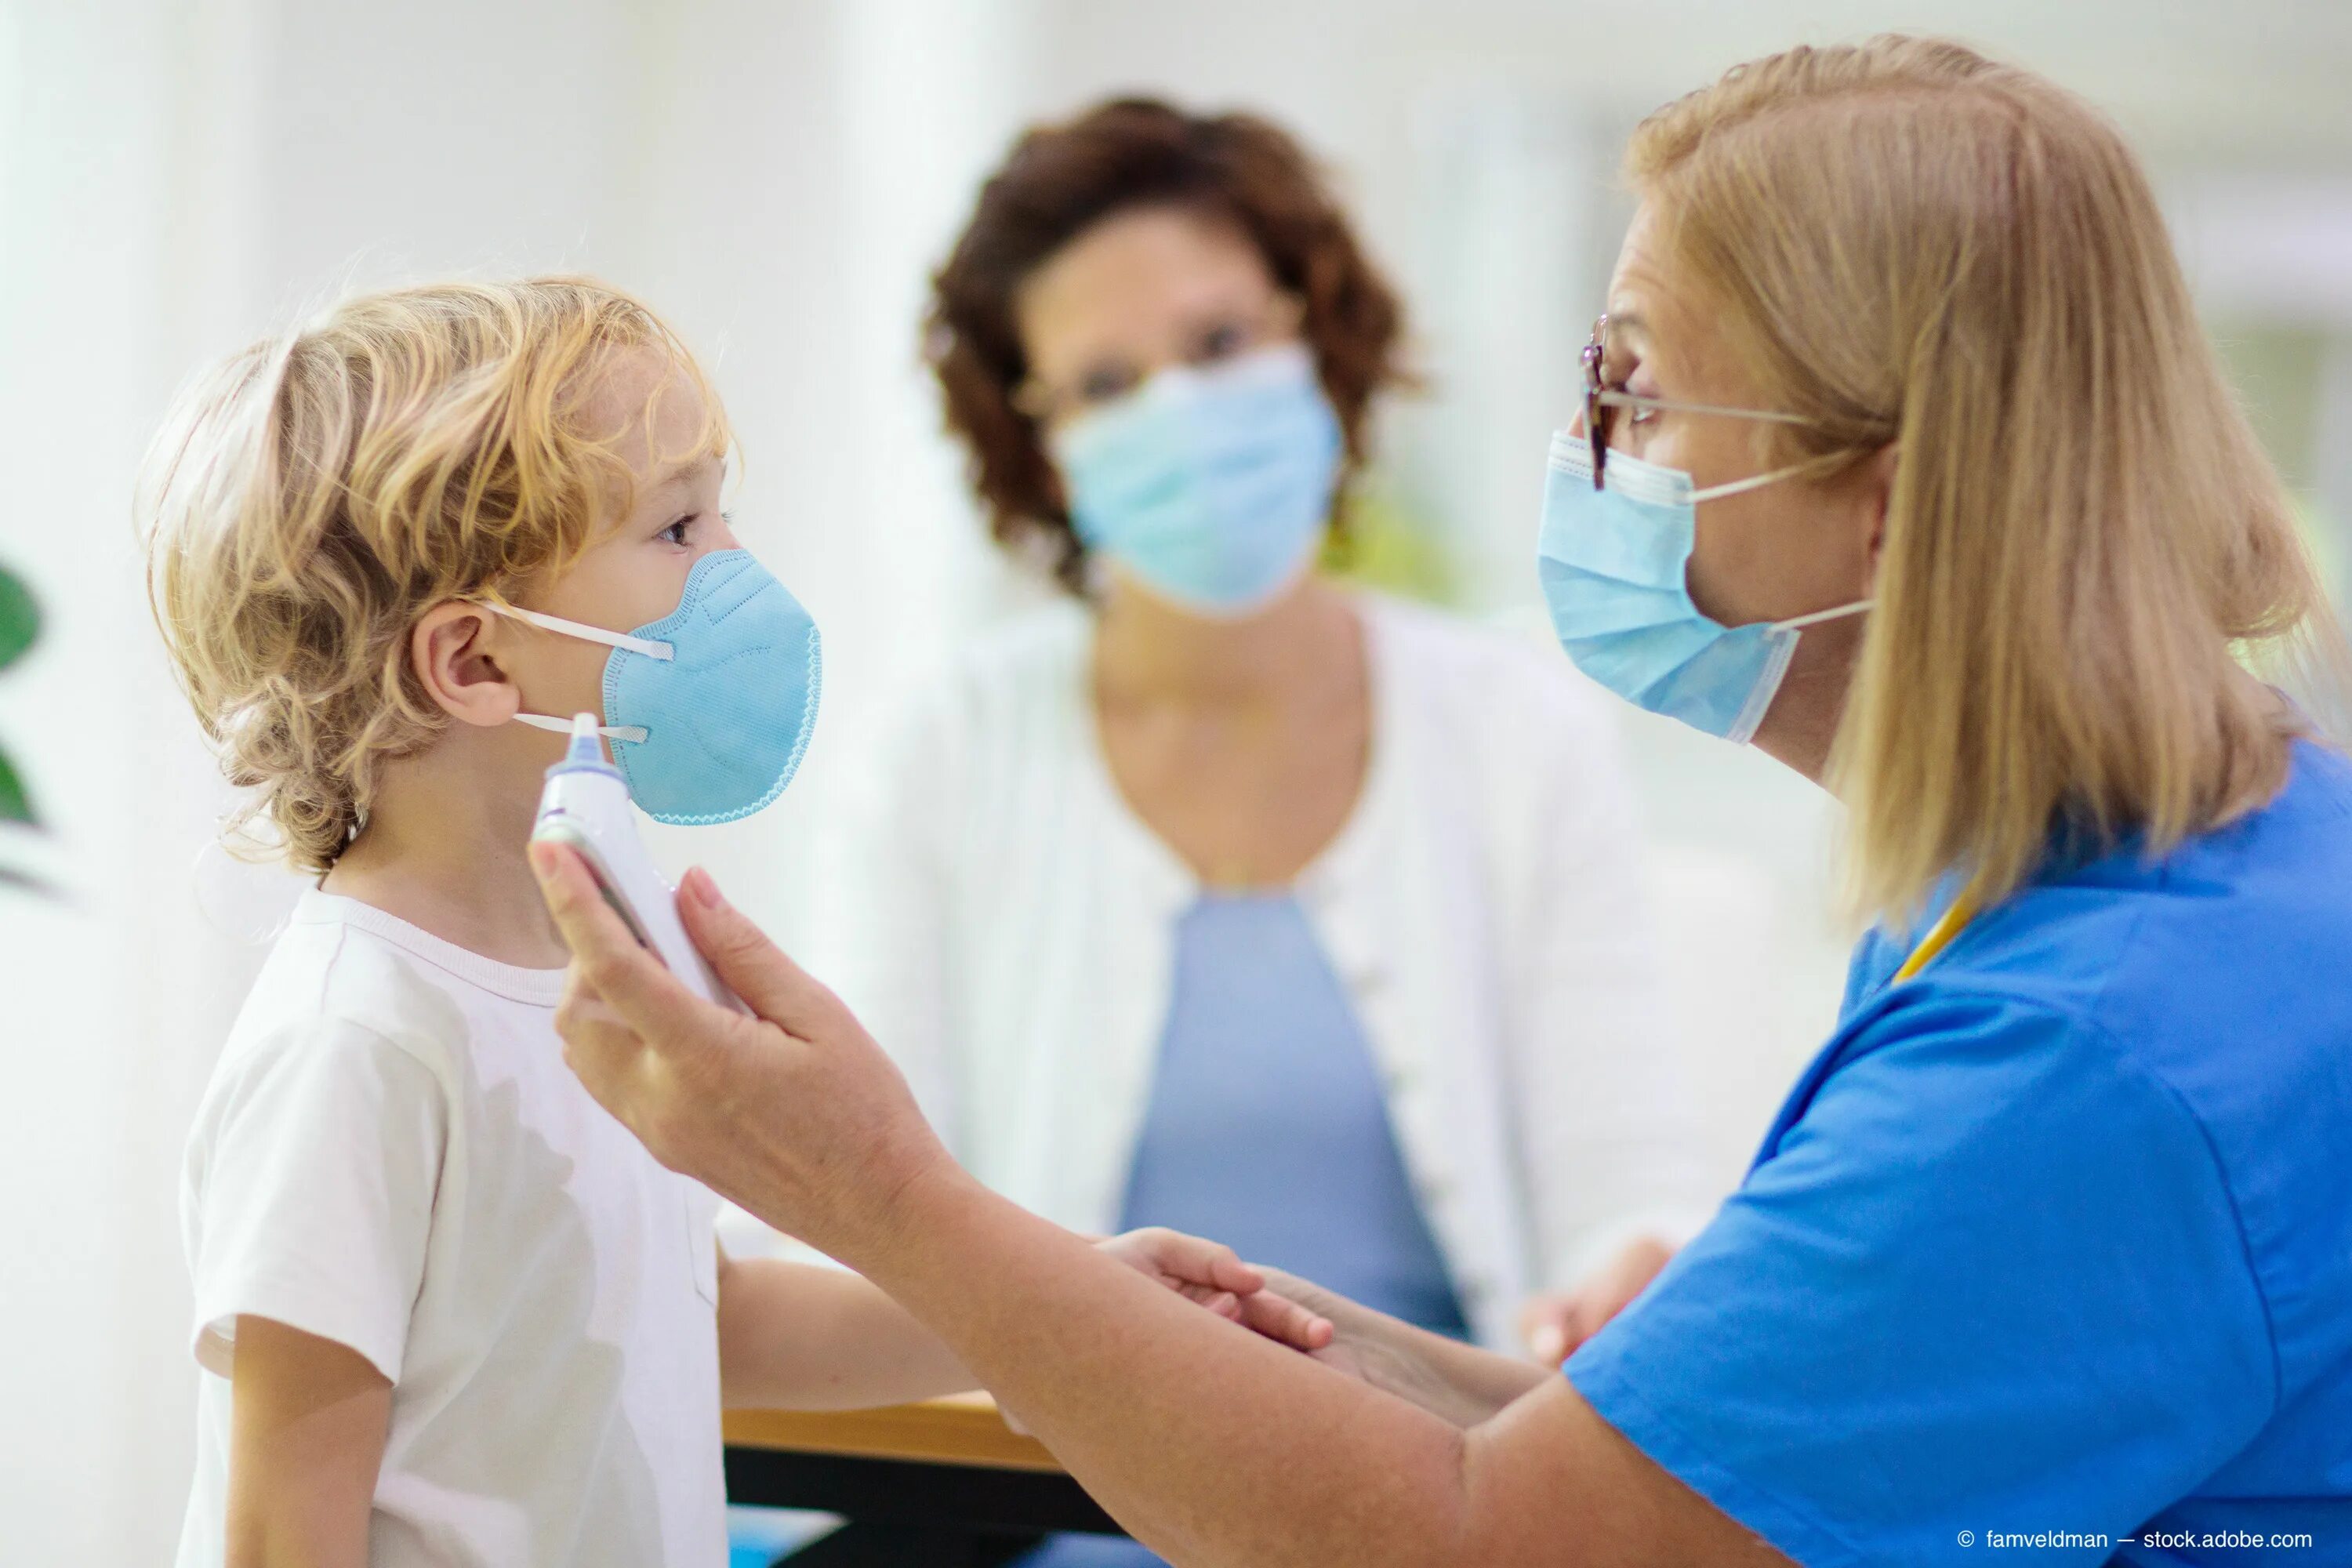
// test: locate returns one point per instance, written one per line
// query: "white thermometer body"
(585, 806)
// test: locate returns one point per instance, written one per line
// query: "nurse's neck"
(1149, 651)
(1801, 725)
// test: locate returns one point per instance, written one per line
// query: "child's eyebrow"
(681, 473)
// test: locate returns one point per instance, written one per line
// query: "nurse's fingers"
(755, 967)
(604, 1053)
(1547, 1326)
(600, 1047)
(606, 959)
(583, 1012)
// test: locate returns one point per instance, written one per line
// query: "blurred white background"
(177, 176)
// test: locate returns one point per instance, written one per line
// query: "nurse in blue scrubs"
(1903, 458)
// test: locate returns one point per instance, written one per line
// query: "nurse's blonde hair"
(1909, 244)
(308, 499)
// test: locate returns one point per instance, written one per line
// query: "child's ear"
(451, 650)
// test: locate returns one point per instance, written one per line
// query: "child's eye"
(676, 533)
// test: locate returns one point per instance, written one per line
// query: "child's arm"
(802, 1336)
(805, 1337)
(307, 1419)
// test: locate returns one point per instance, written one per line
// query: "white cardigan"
(1005, 926)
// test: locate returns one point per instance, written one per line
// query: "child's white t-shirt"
(392, 1156)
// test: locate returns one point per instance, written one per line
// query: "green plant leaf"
(15, 806)
(20, 618)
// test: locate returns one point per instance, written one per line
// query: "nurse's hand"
(1553, 1326)
(1458, 1383)
(795, 1113)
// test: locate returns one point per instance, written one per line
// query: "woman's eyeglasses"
(1601, 402)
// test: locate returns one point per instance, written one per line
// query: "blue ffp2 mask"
(708, 708)
(1211, 485)
(1613, 564)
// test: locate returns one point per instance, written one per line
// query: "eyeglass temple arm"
(1613, 398)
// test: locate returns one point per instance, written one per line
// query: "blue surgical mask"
(1211, 485)
(1613, 564)
(708, 708)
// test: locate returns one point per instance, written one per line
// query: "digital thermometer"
(585, 808)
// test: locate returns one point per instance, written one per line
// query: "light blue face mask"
(708, 708)
(1212, 486)
(1613, 564)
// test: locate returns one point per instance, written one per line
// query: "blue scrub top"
(2052, 1242)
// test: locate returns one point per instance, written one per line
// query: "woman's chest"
(1243, 799)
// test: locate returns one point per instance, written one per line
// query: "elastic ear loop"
(1752, 482)
(1743, 728)
(1798, 622)
(1757, 481)
(634, 733)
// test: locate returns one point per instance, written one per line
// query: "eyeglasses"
(1601, 402)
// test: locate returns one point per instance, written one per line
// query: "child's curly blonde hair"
(309, 498)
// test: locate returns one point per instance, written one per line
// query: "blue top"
(2053, 1240)
(1267, 1130)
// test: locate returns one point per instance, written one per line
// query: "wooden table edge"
(963, 1430)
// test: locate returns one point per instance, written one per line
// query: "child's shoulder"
(348, 984)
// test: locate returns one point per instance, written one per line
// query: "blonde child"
(451, 1311)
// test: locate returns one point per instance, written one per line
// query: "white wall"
(176, 175)
(178, 179)
(108, 990)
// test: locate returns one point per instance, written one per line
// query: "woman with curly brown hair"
(1221, 892)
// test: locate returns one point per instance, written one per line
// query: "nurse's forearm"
(1212, 1444)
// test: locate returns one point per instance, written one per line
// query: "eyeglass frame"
(1598, 396)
